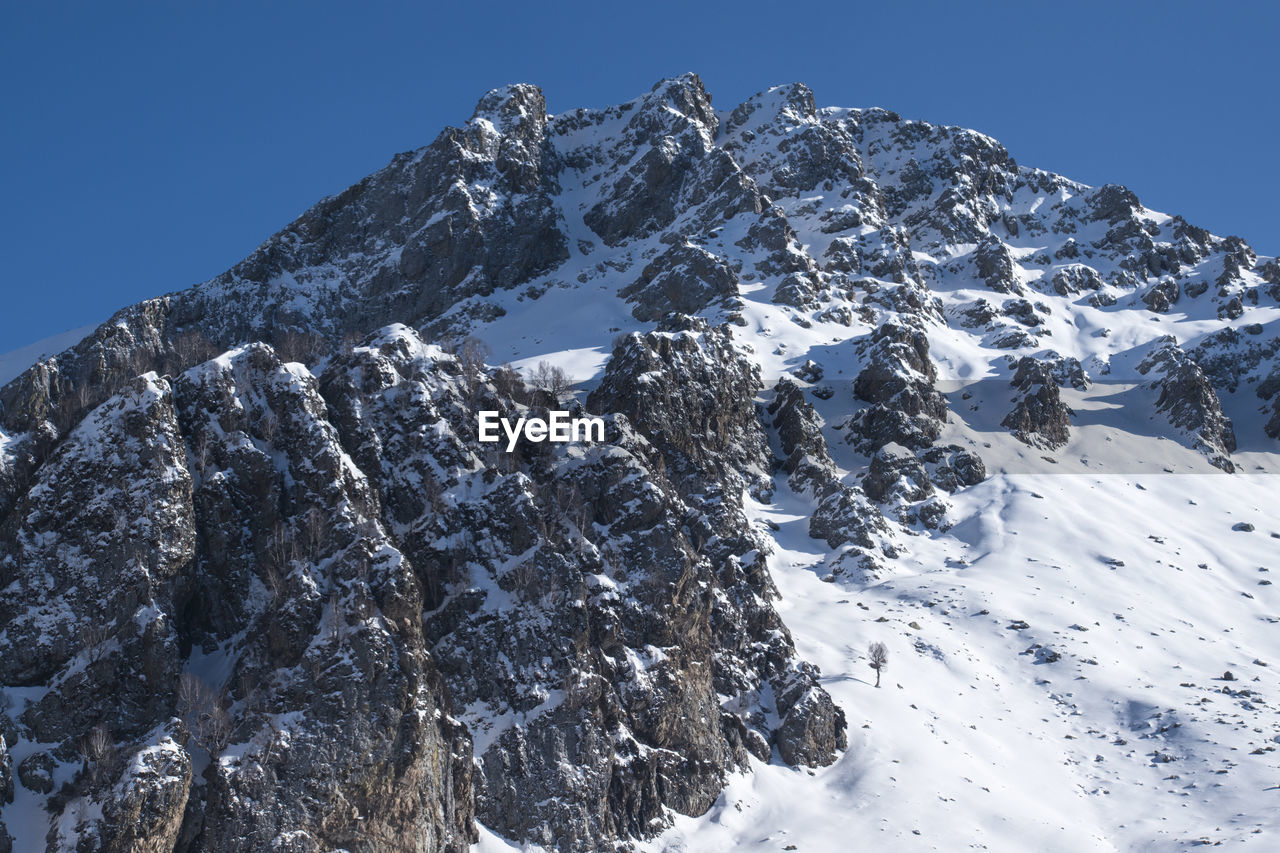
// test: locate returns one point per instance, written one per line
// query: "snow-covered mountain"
(864, 380)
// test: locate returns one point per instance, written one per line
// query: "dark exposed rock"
(843, 255)
(1270, 388)
(1162, 296)
(1076, 278)
(644, 198)
(216, 551)
(806, 457)
(1113, 203)
(36, 772)
(143, 810)
(607, 597)
(952, 467)
(1232, 309)
(898, 383)
(1061, 370)
(891, 259)
(1189, 401)
(995, 266)
(1068, 250)
(796, 290)
(1039, 416)
(1024, 311)
(896, 473)
(809, 151)
(1228, 357)
(980, 314)
(116, 566)
(6, 774)
(684, 279)
(843, 515)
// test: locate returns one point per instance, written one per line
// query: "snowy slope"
(1040, 696)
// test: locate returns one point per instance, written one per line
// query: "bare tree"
(509, 383)
(337, 621)
(94, 636)
(300, 346)
(201, 452)
(315, 533)
(201, 708)
(552, 381)
(98, 750)
(268, 426)
(191, 348)
(878, 659)
(471, 353)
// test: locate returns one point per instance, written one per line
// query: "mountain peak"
(860, 381)
(518, 109)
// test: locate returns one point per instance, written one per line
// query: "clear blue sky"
(148, 146)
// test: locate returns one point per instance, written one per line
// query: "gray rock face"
(194, 500)
(1272, 427)
(807, 459)
(898, 383)
(1190, 402)
(896, 473)
(603, 599)
(1269, 389)
(142, 810)
(995, 266)
(683, 279)
(1162, 296)
(952, 468)
(843, 516)
(1076, 278)
(1039, 417)
(687, 169)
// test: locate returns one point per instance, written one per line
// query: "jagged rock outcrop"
(995, 266)
(141, 811)
(843, 516)
(1189, 401)
(1039, 417)
(684, 279)
(806, 458)
(1161, 297)
(952, 468)
(1269, 388)
(259, 545)
(591, 607)
(896, 473)
(1076, 278)
(898, 383)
